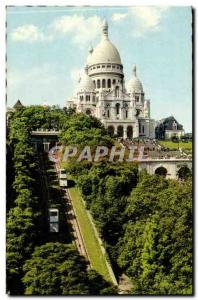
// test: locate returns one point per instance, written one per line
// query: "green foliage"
(54, 269)
(58, 269)
(105, 188)
(156, 250)
(98, 286)
(83, 130)
(21, 235)
(35, 116)
(145, 221)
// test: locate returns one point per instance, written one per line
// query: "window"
(94, 83)
(109, 83)
(113, 67)
(108, 66)
(136, 98)
(53, 213)
(88, 112)
(174, 126)
(104, 83)
(142, 128)
(117, 108)
(98, 83)
(108, 114)
(98, 67)
(114, 81)
(117, 91)
(94, 98)
(126, 114)
(103, 66)
(87, 98)
(81, 98)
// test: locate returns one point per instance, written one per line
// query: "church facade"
(101, 92)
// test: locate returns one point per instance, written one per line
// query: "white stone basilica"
(102, 93)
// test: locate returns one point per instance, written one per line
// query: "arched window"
(94, 98)
(108, 113)
(120, 131)
(104, 83)
(110, 130)
(88, 112)
(109, 83)
(87, 98)
(81, 98)
(130, 132)
(117, 108)
(142, 128)
(114, 81)
(184, 172)
(117, 91)
(126, 114)
(161, 171)
(98, 83)
(94, 83)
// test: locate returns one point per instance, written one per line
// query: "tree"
(58, 269)
(21, 236)
(99, 286)
(156, 249)
(81, 129)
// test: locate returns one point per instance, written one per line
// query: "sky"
(47, 48)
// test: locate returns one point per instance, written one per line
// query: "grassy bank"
(173, 145)
(92, 245)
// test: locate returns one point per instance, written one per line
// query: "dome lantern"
(105, 51)
(90, 49)
(105, 29)
(134, 70)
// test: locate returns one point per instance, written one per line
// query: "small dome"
(105, 52)
(86, 83)
(135, 85)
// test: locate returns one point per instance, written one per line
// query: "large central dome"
(105, 52)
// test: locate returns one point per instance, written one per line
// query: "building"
(101, 92)
(168, 128)
(18, 104)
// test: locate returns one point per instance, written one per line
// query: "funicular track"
(72, 219)
(70, 214)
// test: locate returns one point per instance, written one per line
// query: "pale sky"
(47, 47)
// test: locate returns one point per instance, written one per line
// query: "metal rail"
(72, 219)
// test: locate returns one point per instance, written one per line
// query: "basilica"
(102, 93)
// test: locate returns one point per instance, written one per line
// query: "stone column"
(136, 130)
(115, 113)
(125, 132)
